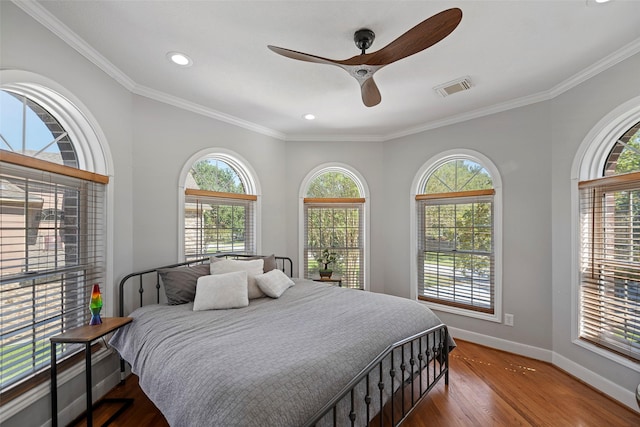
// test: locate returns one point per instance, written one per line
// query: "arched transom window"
(220, 208)
(455, 223)
(29, 129)
(334, 225)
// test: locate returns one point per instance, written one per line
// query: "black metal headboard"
(284, 263)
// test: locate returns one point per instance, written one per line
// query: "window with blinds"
(337, 224)
(218, 222)
(455, 249)
(220, 207)
(455, 235)
(52, 229)
(610, 263)
(609, 249)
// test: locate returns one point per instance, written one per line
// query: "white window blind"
(218, 222)
(337, 224)
(610, 263)
(456, 249)
(52, 252)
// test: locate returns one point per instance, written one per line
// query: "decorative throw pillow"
(269, 261)
(221, 291)
(274, 283)
(252, 267)
(180, 282)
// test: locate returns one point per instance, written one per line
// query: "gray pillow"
(269, 262)
(180, 282)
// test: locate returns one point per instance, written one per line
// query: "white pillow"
(274, 283)
(253, 268)
(220, 291)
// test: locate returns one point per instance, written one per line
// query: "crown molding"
(53, 24)
(480, 112)
(178, 102)
(335, 138)
(44, 17)
(593, 70)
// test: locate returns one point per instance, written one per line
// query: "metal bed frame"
(422, 360)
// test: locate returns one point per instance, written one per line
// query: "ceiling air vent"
(457, 85)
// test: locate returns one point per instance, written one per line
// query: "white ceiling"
(515, 52)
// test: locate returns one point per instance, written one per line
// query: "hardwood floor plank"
(487, 387)
(515, 390)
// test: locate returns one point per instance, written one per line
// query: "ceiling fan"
(363, 66)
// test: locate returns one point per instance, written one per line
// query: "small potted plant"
(326, 257)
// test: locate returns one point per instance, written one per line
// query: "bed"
(314, 355)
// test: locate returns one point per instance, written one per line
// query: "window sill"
(496, 317)
(627, 363)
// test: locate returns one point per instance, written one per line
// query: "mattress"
(273, 363)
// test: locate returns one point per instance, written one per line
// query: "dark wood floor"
(486, 388)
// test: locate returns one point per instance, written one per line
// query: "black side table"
(85, 335)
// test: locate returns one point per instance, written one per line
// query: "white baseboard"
(625, 397)
(502, 344)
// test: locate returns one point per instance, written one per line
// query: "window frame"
(93, 155)
(363, 189)
(589, 163)
(246, 174)
(416, 190)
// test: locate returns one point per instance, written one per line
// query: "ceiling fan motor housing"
(364, 39)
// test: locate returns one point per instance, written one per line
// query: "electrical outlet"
(508, 319)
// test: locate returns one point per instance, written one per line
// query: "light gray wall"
(363, 157)
(574, 114)
(518, 143)
(165, 139)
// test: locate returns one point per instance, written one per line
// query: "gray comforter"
(273, 363)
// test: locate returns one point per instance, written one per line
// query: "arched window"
(52, 228)
(609, 233)
(334, 225)
(220, 207)
(456, 235)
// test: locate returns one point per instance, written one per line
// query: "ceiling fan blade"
(370, 93)
(302, 56)
(425, 34)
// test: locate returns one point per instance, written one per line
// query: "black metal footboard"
(395, 381)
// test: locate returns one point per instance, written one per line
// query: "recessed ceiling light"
(309, 116)
(179, 59)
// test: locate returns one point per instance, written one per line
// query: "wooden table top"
(88, 333)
